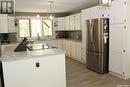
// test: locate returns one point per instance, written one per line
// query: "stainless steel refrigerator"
(98, 45)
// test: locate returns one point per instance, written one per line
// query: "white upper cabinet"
(94, 12)
(6, 24)
(11, 25)
(61, 23)
(55, 24)
(3, 23)
(67, 23)
(104, 12)
(117, 11)
(78, 21)
(72, 22)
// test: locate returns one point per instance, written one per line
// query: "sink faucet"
(38, 37)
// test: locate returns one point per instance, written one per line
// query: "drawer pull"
(37, 64)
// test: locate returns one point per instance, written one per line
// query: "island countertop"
(10, 55)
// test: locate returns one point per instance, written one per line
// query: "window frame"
(42, 29)
(29, 26)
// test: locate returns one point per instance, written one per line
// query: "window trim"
(19, 27)
(30, 35)
(43, 28)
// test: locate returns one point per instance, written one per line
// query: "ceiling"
(58, 6)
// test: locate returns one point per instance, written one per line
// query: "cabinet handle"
(37, 64)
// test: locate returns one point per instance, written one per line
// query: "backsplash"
(72, 35)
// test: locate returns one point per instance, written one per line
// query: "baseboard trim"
(117, 75)
(76, 59)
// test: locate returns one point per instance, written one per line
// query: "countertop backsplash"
(72, 35)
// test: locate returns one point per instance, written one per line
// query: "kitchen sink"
(34, 47)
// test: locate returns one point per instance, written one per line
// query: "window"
(47, 27)
(24, 28)
(36, 29)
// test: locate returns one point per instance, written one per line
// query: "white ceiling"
(58, 6)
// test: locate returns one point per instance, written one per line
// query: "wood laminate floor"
(79, 76)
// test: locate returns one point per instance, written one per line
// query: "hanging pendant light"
(38, 16)
(51, 15)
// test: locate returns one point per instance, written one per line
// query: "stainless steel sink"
(33, 47)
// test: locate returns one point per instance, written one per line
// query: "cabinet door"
(68, 48)
(3, 24)
(67, 23)
(64, 44)
(41, 72)
(72, 24)
(116, 48)
(60, 44)
(73, 49)
(104, 12)
(94, 12)
(55, 24)
(117, 11)
(11, 26)
(78, 50)
(61, 24)
(78, 21)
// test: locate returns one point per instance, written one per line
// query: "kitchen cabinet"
(68, 47)
(78, 21)
(118, 12)
(78, 52)
(55, 24)
(60, 43)
(104, 12)
(7, 24)
(11, 25)
(61, 23)
(67, 23)
(73, 49)
(116, 47)
(43, 71)
(94, 12)
(72, 22)
(119, 58)
(3, 23)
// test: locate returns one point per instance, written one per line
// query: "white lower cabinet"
(60, 44)
(73, 49)
(68, 47)
(117, 47)
(78, 50)
(47, 71)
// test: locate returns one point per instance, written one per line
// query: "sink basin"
(33, 47)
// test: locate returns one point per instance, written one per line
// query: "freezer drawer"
(94, 61)
(97, 62)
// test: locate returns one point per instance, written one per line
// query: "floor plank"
(79, 76)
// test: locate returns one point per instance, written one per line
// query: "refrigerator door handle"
(92, 35)
(90, 32)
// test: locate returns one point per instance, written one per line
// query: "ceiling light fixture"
(38, 16)
(51, 15)
(105, 2)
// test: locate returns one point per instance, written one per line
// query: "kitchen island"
(39, 68)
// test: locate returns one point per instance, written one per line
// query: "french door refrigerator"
(98, 45)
